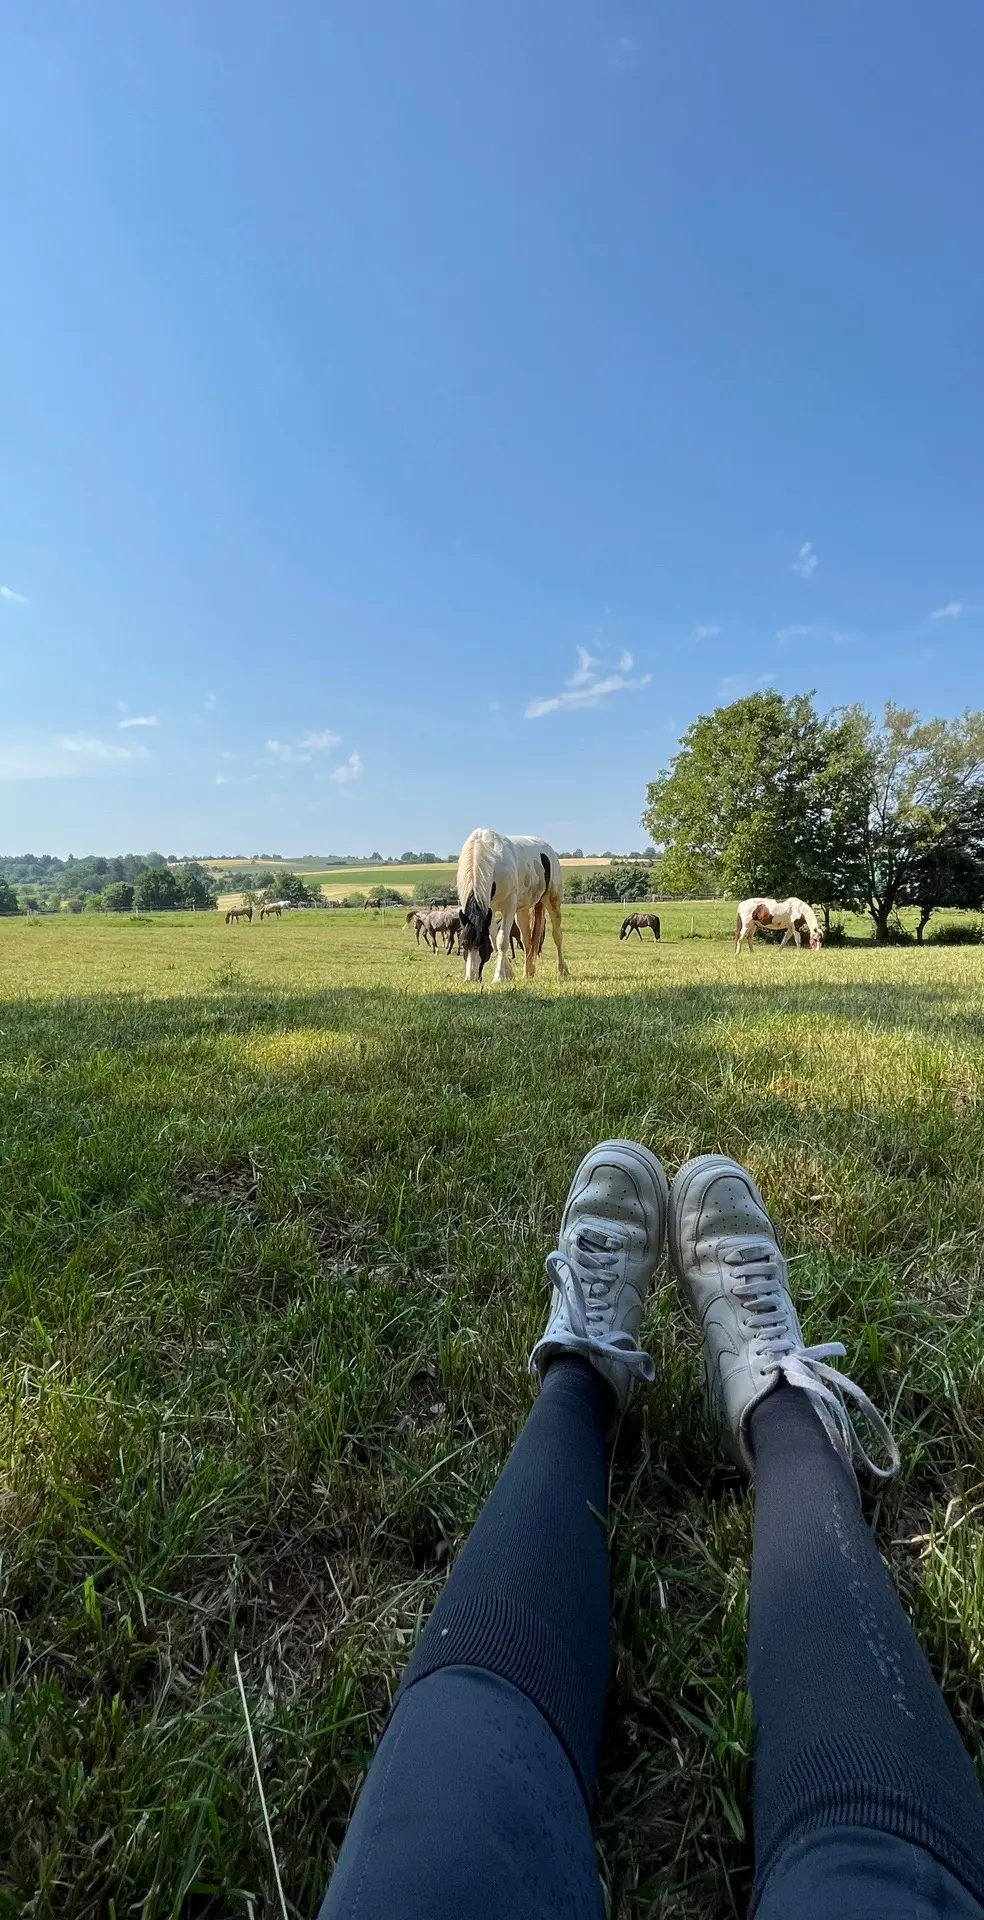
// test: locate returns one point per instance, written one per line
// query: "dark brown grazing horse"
(240, 913)
(635, 922)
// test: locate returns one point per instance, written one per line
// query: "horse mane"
(476, 878)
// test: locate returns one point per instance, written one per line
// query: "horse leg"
(526, 925)
(553, 908)
(638, 930)
(532, 939)
(503, 967)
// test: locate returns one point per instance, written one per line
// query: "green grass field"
(274, 1208)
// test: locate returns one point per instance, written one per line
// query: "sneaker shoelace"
(584, 1277)
(760, 1291)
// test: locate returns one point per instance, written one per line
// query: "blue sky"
(412, 416)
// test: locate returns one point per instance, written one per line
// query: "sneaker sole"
(688, 1173)
(632, 1149)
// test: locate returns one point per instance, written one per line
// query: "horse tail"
(538, 928)
(476, 879)
(553, 875)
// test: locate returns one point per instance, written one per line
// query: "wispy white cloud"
(19, 599)
(586, 669)
(320, 742)
(65, 757)
(298, 752)
(350, 769)
(805, 563)
(792, 633)
(589, 684)
(141, 720)
(952, 610)
(210, 703)
(223, 779)
(705, 633)
(99, 751)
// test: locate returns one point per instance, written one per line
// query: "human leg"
(864, 1799)
(853, 1737)
(479, 1798)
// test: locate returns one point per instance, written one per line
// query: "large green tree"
(924, 824)
(157, 890)
(945, 878)
(764, 796)
(196, 888)
(768, 796)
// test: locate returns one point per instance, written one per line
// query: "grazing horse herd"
(267, 911)
(519, 881)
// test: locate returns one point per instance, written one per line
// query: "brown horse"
(239, 913)
(635, 922)
(273, 906)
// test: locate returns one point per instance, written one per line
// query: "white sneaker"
(611, 1240)
(724, 1253)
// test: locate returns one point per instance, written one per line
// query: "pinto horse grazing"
(635, 923)
(520, 879)
(274, 906)
(240, 913)
(792, 918)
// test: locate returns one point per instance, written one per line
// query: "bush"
(354, 900)
(835, 935)
(117, 897)
(632, 880)
(429, 894)
(958, 934)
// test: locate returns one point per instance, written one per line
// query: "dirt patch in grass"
(235, 1185)
(341, 1245)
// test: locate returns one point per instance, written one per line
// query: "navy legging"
(480, 1798)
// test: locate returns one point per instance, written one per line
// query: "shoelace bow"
(584, 1279)
(759, 1289)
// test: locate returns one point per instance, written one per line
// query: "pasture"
(274, 1206)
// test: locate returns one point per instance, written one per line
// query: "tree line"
(98, 883)
(767, 795)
